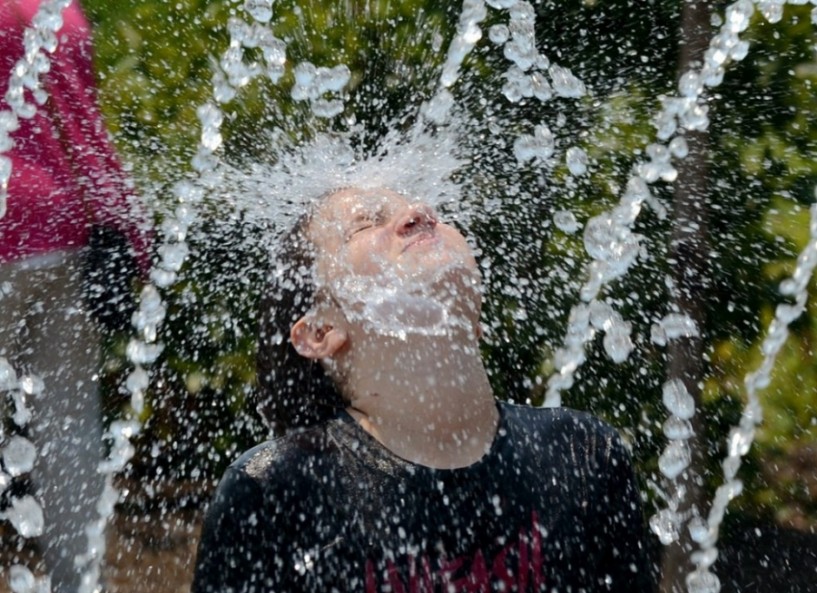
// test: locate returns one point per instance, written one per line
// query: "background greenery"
(154, 61)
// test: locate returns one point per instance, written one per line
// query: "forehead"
(344, 205)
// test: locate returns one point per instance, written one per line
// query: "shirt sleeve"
(623, 548)
(244, 548)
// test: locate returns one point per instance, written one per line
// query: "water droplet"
(139, 352)
(602, 315)
(678, 325)
(327, 108)
(32, 385)
(305, 74)
(738, 15)
(740, 440)
(537, 146)
(678, 147)
(541, 87)
(137, 380)
(699, 531)
(565, 221)
(612, 243)
(187, 192)
(8, 376)
(6, 144)
(162, 278)
(498, 34)
(518, 85)
(21, 579)
(705, 558)
(788, 313)
(22, 415)
(26, 516)
(730, 490)
(261, 10)
(665, 524)
(173, 256)
(690, 85)
(19, 455)
(617, 342)
(204, 160)
(772, 11)
(677, 429)
(739, 51)
(565, 84)
(702, 581)
(9, 121)
(210, 115)
(677, 399)
(576, 159)
(658, 152)
(675, 459)
(211, 139)
(274, 50)
(332, 79)
(696, 118)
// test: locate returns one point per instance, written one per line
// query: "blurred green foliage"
(155, 60)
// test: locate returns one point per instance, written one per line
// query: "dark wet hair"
(293, 392)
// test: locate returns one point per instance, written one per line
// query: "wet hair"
(293, 392)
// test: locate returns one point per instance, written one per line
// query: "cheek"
(364, 257)
(459, 247)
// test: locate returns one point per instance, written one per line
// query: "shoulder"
(565, 429)
(269, 480)
(556, 421)
(293, 458)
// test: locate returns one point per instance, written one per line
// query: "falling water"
(19, 454)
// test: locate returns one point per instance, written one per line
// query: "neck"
(427, 399)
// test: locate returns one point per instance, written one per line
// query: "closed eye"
(361, 227)
(368, 221)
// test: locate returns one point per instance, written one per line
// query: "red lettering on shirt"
(371, 578)
(447, 570)
(536, 553)
(394, 579)
(478, 581)
(422, 583)
(500, 569)
(469, 574)
(524, 563)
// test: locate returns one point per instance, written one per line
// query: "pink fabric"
(65, 175)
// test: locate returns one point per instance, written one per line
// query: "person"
(397, 469)
(66, 182)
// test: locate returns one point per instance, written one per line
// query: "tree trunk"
(688, 262)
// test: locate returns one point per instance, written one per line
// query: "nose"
(416, 218)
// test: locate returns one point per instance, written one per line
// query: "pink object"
(66, 175)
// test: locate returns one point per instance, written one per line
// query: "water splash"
(19, 454)
(609, 239)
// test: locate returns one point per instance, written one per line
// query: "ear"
(315, 340)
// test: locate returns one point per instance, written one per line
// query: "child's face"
(381, 239)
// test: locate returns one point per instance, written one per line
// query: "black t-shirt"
(552, 506)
